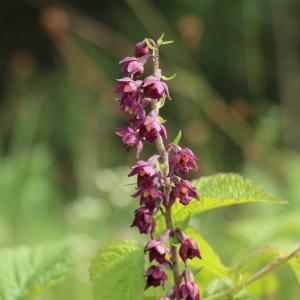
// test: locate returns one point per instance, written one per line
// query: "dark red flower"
(183, 161)
(150, 197)
(157, 251)
(156, 276)
(129, 104)
(130, 139)
(127, 85)
(132, 65)
(144, 220)
(188, 249)
(151, 129)
(143, 168)
(183, 190)
(155, 88)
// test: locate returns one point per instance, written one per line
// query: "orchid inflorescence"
(159, 184)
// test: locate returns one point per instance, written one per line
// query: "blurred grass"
(63, 172)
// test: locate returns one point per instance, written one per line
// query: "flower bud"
(141, 49)
(189, 290)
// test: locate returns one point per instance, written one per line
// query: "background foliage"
(63, 172)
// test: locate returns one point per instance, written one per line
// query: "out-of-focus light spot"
(190, 29)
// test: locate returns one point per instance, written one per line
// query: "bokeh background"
(235, 97)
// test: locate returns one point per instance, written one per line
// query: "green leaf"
(161, 103)
(161, 120)
(167, 42)
(218, 191)
(165, 78)
(221, 285)
(160, 39)
(210, 260)
(295, 265)
(149, 45)
(26, 272)
(117, 272)
(178, 138)
(255, 260)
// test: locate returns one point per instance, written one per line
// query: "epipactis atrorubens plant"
(160, 181)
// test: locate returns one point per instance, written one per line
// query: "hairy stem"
(165, 172)
(262, 272)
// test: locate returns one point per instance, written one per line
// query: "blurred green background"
(63, 172)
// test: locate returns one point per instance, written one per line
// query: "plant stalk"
(262, 272)
(165, 174)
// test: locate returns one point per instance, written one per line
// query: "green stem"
(165, 172)
(261, 273)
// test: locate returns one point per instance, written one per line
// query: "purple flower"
(154, 88)
(130, 139)
(157, 251)
(188, 249)
(141, 49)
(127, 85)
(132, 65)
(156, 276)
(151, 129)
(130, 104)
(183, 160)
(149, 196)
(183, 190)
(189, 290)
(143, 168)
(144, 220)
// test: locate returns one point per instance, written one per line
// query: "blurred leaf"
(225, 284)
(256, 259)
(178, 138)
(218, 191)
(295, 265)
(26, 272)
(267, 286)
(118, 272)
(210, 259)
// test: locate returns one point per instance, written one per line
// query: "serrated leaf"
(218, 191)
(210, 260)
(117, 272)
(26, 272)
(295, 265)
(178, 138)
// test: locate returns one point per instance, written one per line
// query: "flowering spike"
(157, 185)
